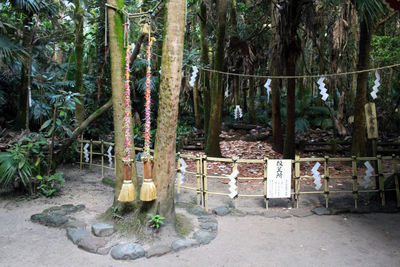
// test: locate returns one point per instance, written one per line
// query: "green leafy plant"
(155, 220)
(49, 186)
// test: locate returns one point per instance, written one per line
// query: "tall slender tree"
(79, 54)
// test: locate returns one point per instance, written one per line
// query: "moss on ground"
(183, 225)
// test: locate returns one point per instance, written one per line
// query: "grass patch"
(108, 181)
(183, 225)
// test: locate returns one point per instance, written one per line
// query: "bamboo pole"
(198, 178)
(102, 158)
(265, 182)
(235, 168)
(380, 180)
(396, 179)
(297, 180)
(326, 181)
(204, 183)
(91, 153)
(354, 177)
(179, 172)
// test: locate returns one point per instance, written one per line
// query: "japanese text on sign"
(279, 174)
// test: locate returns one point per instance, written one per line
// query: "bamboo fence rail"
(202, 182)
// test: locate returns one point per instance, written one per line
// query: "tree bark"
(252, 96)
(212, 144)
(167, 121)
(79, 53)
(117, 52)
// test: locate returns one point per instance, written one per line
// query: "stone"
(157, 251)
(209, 226)
(129, 251)
(221, 211)
(91, 243)
(196, 210)
(102, 229)
(103, 251)
(182, 243)
(276, 214)
(239, 213)
(207, 219)
(204, 237)
(339, 211)
(73, 223)
(300, 213)
(321, 211)
(76, 234)
(52, 220)
(254, 213)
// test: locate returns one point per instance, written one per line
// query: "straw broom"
(128, 192)
(148, 191)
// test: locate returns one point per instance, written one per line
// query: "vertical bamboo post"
(297, 180)
(355, 184)
(199, 174)
(205, 195)
(91, 153)
(265, 182)
(179, 173)
(234, 168)
(396, 178)
(380, 177)
(81, 154)
(102, 158)
(326, 181)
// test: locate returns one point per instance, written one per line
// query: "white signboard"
(279, 175)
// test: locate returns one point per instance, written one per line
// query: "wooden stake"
(265, 182)
(297, 180)
(380, 177)
(354, 176)
(326, 181)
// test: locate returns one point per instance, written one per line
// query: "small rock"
(239, 213)
(221, 211)
(129, 251)
(181, 244)
(103, 251)
(204, 237)
(209, 226)
(91, 243)
(69, 208)
(76, 234)
(321, 211)
(74, 224)
(196, 210)
(52, 220)
(206, 219)
(157, 251)
(301, 213)
(102, 229)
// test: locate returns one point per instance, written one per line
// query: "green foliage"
(49, 186)
(386, 49)
(155, 220)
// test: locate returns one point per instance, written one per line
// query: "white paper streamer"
(195, 70)
(267, 85)
(86, 152)
(227, 90)
(30, 96)
(132, 47)
(182, 170)
(110, 160)
(238, 112)
(376, 85)
(323, 90)
(316, 175)
(232, 184)
(368, 174)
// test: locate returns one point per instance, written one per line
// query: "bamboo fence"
(202, 178)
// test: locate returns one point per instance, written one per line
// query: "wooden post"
(265, 182)
(297, 180)
(380, 179)
(396, 178)
(354, 176)
(91, 153)
(102, 158)
(326, 181)
(204, 183)
(234, 168)
(81, 154)
(199, 174)
(179, 173)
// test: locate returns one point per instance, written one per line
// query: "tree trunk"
(252, 96)
(79, 50)
(164, 152)
(22, 119)
(196, 105)
(205, 60)
(236, 90)
(289, 147)
(117, 52)
(212, 144)
(359, 142)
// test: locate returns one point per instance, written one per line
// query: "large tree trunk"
(196, 105)
(252, 97)
(212, 144)
(117, 51)
(205, 60)
(165, 145)
(289, 147)
(79, 50)
(359, 142)
(22, 119)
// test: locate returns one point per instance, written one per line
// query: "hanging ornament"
(195, 70)
(232, 184)
(316, 175)
(227, 90)
(376, 85)
(323, 90)
(86, 152)
(30, 96)
(182, 170)
(267, 85)
(128, 192)
(109, 156)
(238, 112)
(368, 174)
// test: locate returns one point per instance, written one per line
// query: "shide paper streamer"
(316, 175)
(238, 112)
(232, 184)
(267, 85)
(322, 88)
(376, 85)
(368, 174)
(195, 70)
(86, 152)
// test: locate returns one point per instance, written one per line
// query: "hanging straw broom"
(128, 192)
(148, 192)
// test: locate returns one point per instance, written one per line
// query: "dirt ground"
(336, 240)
